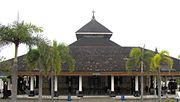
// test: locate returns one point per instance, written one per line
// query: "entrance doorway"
(95, 85)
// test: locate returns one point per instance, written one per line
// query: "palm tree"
(50, 60)
(43, 64)
(31, 61)
(138, 58)
(18, 33)
(59, 55)
(55, 64)
(158, 61)
(39, 58)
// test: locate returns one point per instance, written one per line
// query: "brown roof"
(100, 58)
(96, 54)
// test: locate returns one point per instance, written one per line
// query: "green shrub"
(169, 100)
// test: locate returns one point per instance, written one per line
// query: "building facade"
(100, 68)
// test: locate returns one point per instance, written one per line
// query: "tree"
(160, 60)
(50, 60)
(59, 54)
(139, 58)
(39, 58)
(5, 72)
(66, 58)
(31, 59)
(43, 63)
(18, 33)
(55, 67)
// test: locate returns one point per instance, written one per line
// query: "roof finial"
(156, 50)
(93, 17)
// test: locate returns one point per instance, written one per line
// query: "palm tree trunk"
(159, 85)
(141, 81)
(14, 76)
(52, 88)
(40, 86)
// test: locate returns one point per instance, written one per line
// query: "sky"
(153, 23)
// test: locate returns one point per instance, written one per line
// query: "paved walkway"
(25, 98)
(83, 100)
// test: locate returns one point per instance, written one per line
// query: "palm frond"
(162, 57)
(134, 58)
(147, 56)
(168, 61)
(164, 53)
(32, 58)
(19, 32)
(56, 59)
(130, 64)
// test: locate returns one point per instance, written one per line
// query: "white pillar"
(155, 86)
(34, 81)
(9, 84)
(1, 85)
(166, 81)
(55, 84)
(32, 84)
(26, 80)
(136, 83)
(80, 83)
(112, 83)
(155, 82)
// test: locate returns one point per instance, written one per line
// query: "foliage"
(32, 58)
(4, 66)
(44, 56)
(50, 58)
(19, 32)
(169, 100)
(56, 61)
(178, 81)
(4, 78)
(66, 57)
(161, 58)
(137, 55)
(138, 58)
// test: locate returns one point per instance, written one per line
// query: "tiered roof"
(95, 52)
(93, 29)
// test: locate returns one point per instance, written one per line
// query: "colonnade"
(80, 87)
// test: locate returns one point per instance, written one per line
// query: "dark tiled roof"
(106, 58)
(100, 58)
(97, 59)
(94, 42)
(21, 62)
(94, 26)
(176, 64)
